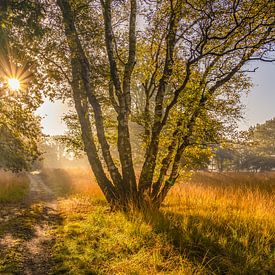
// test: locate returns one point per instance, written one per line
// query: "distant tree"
(262, 138)
(256, 151)
(224, 159)
(189, 67)
(256, 163)
(259, 153)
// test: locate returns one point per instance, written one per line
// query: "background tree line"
(255, 153)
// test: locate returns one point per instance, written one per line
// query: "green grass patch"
(11, 260)
(93, 240)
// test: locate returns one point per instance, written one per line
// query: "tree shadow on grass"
(20, 222)
(214, 244)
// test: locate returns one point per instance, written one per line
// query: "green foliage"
(216, 121)
(19, 128)
(19, 135)
(197, 158)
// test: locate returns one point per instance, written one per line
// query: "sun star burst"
(15, 77)
(14, 84)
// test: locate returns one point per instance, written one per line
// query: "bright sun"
(14, 84)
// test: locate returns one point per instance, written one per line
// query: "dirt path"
(26, 231)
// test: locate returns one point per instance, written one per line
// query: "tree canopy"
(19, 134)
(260, 149)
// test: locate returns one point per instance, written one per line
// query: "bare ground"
(27, 231)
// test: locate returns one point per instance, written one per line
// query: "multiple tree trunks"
(122, 189)
(120, 186)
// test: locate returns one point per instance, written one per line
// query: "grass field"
(211, 224)
(13, 187)
(225, 221)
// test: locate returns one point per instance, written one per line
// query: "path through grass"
(211, 224)
(26, 229)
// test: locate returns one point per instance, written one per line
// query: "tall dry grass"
(13, 187)
(225, 221)
(240, 193)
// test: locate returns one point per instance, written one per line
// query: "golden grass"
(211, 224)
(227, 220)
(232, 193)
(13, 187)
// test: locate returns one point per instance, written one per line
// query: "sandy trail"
(29, 231)
(38, 190)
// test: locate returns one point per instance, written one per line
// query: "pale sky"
(260, 103)
(52, 113)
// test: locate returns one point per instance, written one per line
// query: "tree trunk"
(123, 94)
(149, 165)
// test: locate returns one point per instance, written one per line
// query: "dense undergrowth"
(211, 224)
